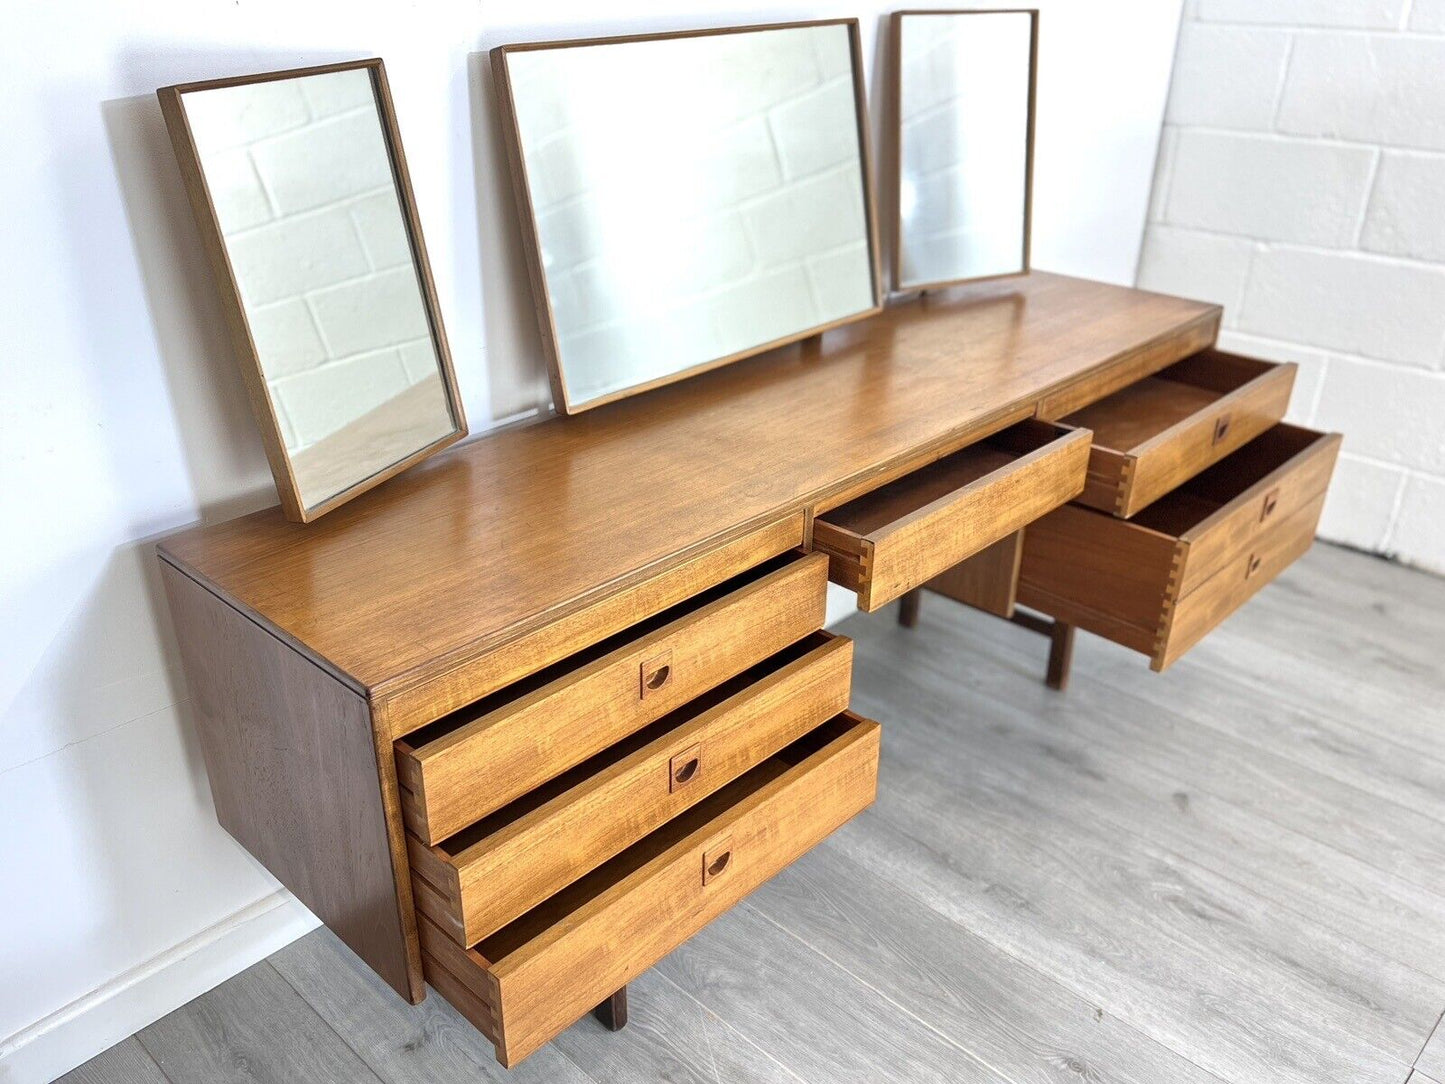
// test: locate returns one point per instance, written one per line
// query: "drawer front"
(1225, 402)
(1273, 499)
(1034, 467)
(480, 766)
(535, 978)
(1275, 549)
(582, 823)
(1160, 582)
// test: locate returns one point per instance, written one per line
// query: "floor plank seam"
(1052, 980)
(1086, 995)
(703, 1007)
(1426, 888)
(152, 1059)
(1221, 671)
(1218, 864)
(995, 1070)
(1123, 750)
(329, 1027)
(1426, 1044)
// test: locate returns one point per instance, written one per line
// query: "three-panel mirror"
(689, 199)
(964, 99)
(300, 188)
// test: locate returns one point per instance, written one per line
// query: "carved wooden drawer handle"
(656, 673)
(1253, 566)
(1271, 502)
(717, 860)
(684, 768)
(1221, 428)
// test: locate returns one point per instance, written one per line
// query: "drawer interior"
(517, 809)
(555, 910)
(1137, 414)
(1185, 508)
(419, 739)
(886, 505)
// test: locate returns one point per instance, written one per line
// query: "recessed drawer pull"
(461, 768)
(1271, 502)
(534, 977)
(1253, 566)
(716, 861)
(684, 768)
(656, 673)
(1221, 428)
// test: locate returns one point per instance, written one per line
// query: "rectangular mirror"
(964, 138)
(300, 189)
(689, 199)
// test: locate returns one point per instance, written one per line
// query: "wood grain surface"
(505, 535)
(498, 869)
(1225, 872)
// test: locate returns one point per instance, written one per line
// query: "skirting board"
(73, 1035)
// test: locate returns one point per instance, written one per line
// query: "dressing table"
(524, 719)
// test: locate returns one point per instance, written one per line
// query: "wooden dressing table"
(521, 721)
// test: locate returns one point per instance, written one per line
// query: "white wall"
(1301, 183)
(123, 417)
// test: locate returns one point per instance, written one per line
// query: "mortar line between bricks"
(1318, 250)
(1326, 352)
(1276, 135)
(1320, 29)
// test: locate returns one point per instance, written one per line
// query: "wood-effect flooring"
(1231, 872)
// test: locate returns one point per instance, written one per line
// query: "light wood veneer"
(496, 539)
(1159, 582)
(582, 558)
(533, 978)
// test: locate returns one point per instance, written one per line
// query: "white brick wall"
(302, 185)
(1301, 184)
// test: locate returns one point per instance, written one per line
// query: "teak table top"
(481, 543)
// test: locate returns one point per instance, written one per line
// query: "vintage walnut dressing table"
(520, 722)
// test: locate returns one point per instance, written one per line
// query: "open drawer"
(475, 761)
(527, 982)
(483, 877)
(1159, 582)
(1166, 428)
(893, 539)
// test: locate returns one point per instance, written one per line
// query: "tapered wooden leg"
(613, 1012)
(908, 607)
(1061, 655)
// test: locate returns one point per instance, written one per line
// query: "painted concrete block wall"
(301, 181)
(1301, 184)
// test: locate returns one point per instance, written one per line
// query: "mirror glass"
(965, 95)
(695, 198)
(319, 237)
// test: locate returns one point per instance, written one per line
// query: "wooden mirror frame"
(212, 239)
(531, 239)
(895, 147)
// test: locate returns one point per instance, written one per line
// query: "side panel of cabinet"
(298, 778)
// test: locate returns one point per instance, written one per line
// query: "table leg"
(612, 1013)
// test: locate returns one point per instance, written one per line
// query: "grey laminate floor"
(1231, 872)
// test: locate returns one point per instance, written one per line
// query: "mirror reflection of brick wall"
(301, 181)
(694, 197)
(964, 139)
